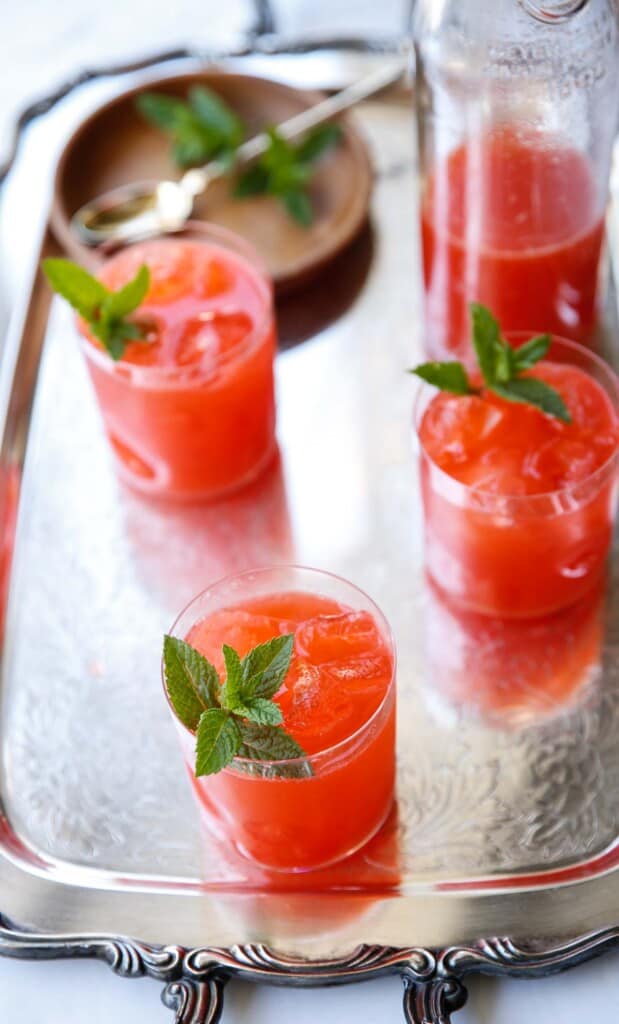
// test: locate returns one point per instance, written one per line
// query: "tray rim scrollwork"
(194, 979)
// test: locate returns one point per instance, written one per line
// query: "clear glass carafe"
(517, 105)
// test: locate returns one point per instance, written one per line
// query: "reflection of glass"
(342, 671)
(191, 414)
(317, 904)
(512, 670)
(9, 494)
(495, 544)
(179, 549)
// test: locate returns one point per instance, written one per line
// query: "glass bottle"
(517, 104)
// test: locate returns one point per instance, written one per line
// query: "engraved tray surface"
(99, 575)
(505, 788)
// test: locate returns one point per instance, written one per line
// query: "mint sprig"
(284, 170)
(203, 128)
(104, 311)
(236, 717)
(502, 368)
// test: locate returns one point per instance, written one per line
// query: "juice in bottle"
(510, 219)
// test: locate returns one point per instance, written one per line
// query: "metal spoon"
(149, 207)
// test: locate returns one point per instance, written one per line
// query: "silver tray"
(508, 803)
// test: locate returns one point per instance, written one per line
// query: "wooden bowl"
(116, 145)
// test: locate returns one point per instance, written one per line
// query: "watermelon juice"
(518, 505)
(190, 411)
(510, 219)
(337, 701)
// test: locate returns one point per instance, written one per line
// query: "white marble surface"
(42, 42)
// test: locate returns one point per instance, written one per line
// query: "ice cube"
(454, 426)
(498, 471)
(337, 637)
(240, 630)
(303, 684)
(209, 336)
(562, 461)
(370, 669)
(169, 263)
(213, 278)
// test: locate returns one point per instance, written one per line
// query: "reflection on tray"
(314, 903)
(179, 549)
(9, 493)
(514, 671)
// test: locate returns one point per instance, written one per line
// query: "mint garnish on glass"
(238, 717)
(104, 311)
(502, 368)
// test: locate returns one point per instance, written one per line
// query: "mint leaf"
(450, 376)
(166, 112)
(191, 150)
(268, 743)
(238, 717)
(231, 690)
(261, 711)
(102, 309)
(217, 116)
(504, 365)
(113, 341)
(81, 290)
(217, 742)
(486, 340)
(320, 139)
(191, 681)
(238, 692)
(265, 668)
(252, 182)
(127, 299)
(532, 391)
(114, 335)
(501, 368)
(285, 168)
(299, 207)
(202, 129)
(531, 352)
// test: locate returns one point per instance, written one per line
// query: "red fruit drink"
(191, 413)
(510, 219)
(518, 506)
(337, 701)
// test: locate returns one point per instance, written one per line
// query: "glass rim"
(200, 232)
(540, 496)
(335, 747)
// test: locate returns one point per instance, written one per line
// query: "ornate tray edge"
(194, 979)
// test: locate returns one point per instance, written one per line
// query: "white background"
(42, 42)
